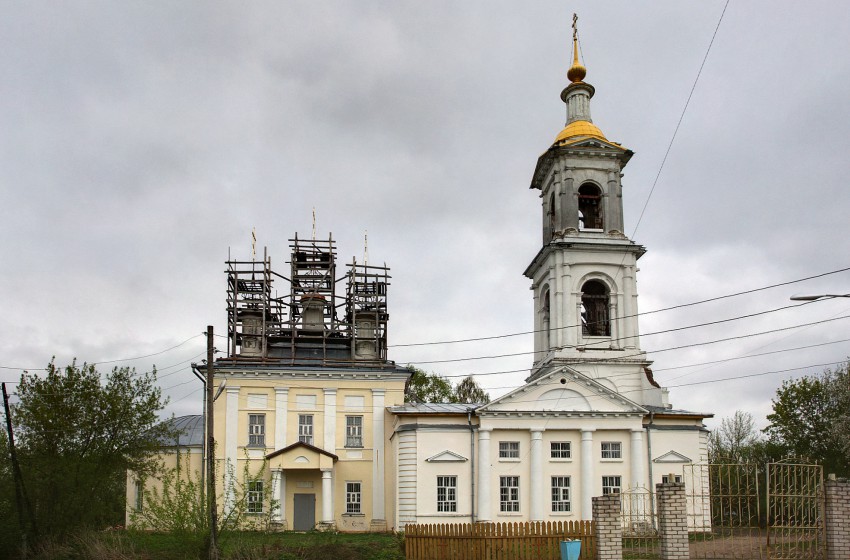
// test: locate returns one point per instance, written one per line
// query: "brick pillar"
(608, 527)
(837, 519)
(672, 520)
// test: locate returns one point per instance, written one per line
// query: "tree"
(735, 440)
(468, 391)
(810, 418)
(426, 387)
(78, 435)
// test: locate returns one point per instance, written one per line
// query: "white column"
(536, 472)
(330, 421)
(281, 410)
(277, 503)
(587, 474)
(578, 328)
(637, 459)
(614, 323)
(231, 435)
(378, 454)
(484, 512)
(327, 497)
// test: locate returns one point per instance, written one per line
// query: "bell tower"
(583, 276)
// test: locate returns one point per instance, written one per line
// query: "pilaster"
(484, 468)
(378, 482)
(587, 474)
(536, 472)
(281, 411)
(330, 421)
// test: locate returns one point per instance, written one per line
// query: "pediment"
(564, 390)
(446, 457)
(301, 455)
(672, 457)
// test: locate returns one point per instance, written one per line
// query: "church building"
(312, 422)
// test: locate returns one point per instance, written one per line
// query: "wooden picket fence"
(535, 540)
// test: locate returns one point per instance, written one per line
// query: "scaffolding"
(366, 310)
(312, 324)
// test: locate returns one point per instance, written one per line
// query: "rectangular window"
(140, 495)
(560, 494)
(257, 429)
(612, 450)
(508, 450)
(305, 428)
(352, 497)
(354, 431)
(666, 478)
(509, 493)
(560, 450)
(610, 485)
(447, 493)
(255, 496)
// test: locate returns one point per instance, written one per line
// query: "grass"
(137, 545)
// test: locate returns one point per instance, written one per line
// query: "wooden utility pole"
(213, 513)
(21, 501)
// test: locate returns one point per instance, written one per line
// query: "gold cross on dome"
(575, 26)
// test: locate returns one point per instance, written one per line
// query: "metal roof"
(190, 431)
(434, 408)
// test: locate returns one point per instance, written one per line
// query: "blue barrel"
(570, 550)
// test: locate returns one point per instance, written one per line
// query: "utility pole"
(20, 492)
(213, 548)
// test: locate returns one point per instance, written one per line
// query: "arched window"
(589, 207)
(553, 216)
(594, 309)
(545, 309)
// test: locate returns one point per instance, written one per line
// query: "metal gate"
(640, 524)
(750, 512)
(795, 511)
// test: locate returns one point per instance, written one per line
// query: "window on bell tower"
(545, 309)
(553, 216)
(594, 309)
(589, 207)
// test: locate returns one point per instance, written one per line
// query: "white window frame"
(612, 450)
(447, 493)
(254, 497)
(353, 498)
(354, 431)
(305, 428)
(509, 494)
(564, 450)
(612, 484)
(561, 494)
(508, 450)
(257, 430)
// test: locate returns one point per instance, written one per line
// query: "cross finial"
(575, 27)
(314, 223)
(253, 243)
(366, 247)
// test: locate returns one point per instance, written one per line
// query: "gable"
(564, 391)
(672, 457)
(446, 457)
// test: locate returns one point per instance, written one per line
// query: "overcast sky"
(143, 141)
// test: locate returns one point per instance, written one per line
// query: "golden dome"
(578, 129)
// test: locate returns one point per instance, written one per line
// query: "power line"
(681, 118)
(663, 309)
(618, 358)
